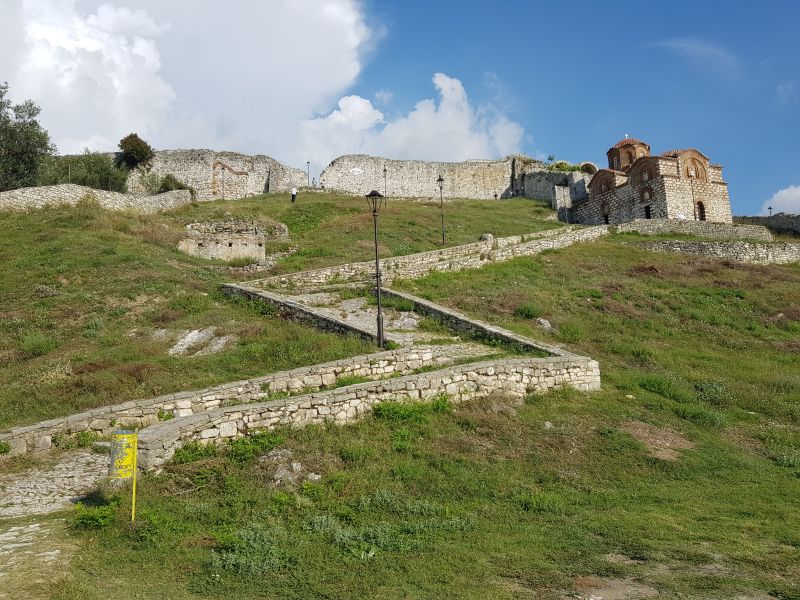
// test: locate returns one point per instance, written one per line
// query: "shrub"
(245, 449)
(92, 169)
(170, 183)
(165, 415)
(5, 447)
(526, 311)
(94, 517)
(134, 151)
(194, 451)
(37, 344)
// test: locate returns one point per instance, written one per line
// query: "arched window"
(605, 210)
(646, 176)
(700, 211)
(646, 195)
(629, 157)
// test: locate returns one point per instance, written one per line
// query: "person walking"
(294, 194)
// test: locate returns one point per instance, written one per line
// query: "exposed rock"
(543, 324)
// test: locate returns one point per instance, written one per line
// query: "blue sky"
(720, 76)
(309, 80)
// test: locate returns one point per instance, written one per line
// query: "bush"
(134, 151)
(246, 449)
(526, 311)
(5, 447)
(170, 183)
(92, 169)
(194, 451)
(94, 517)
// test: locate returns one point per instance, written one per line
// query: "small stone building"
(678, 184)
(231, 240)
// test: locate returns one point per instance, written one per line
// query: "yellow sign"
(123, 455)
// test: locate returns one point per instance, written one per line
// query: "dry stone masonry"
(779, 223)
(516, 175)
(220, 175)
(706, 229)
(746, 252)
(230, 240)
(70, 194)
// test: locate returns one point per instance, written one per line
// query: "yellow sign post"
(124, 459)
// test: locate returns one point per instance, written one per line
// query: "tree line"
(28, 157)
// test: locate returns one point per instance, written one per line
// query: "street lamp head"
(440, 181)
(769, 208)
(374, 199)
(384, 170)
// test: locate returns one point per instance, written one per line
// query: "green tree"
(134, 151)
(92, 169)
(23, 142)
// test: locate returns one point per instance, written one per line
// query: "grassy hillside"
(682, 475)
(91, 300)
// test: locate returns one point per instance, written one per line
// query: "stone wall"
(157, 444)
(71, 194)
(148, 411)
(779, 223)
(229, 240)
(457, 258)
(221, 175)
(358, 174)
(699, 228)
(747, 252)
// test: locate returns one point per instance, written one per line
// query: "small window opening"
(647, 213)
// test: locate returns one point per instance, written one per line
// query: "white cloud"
(450, 129)
(785, 91)
(703, 53)
(786, 200)
(384, 96)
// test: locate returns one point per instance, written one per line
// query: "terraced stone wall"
(708, 229)
(517, 377)
(746, 252)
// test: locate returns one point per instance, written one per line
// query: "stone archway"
(700, 211)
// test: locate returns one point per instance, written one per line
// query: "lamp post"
(769, 208)
(384, 181)
(440, 181)
(308, 173)
(375, 201)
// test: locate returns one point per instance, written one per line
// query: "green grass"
(112, 279)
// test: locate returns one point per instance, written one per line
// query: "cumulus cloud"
(786, 200)
(448, 128)
(703, 53)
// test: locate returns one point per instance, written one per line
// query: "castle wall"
(220, 175)
(71, 194)
(230, 240)
(780, 223)
(747, 252)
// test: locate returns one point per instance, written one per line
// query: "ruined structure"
(512, 176)
(219, 175)
(231, 240)
(678, 184)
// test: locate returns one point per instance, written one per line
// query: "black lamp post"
(308, 173)
(375, 201)
(769, 208)
(440, 181)
(384, 181)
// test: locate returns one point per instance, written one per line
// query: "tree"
(23, 142)
(92, 169)
(134, 151)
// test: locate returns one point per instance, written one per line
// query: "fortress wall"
(707, 229)
(357, 174)
(71, 194)
(221, 175)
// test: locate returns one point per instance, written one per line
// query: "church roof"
(677, 151)
(626, 141)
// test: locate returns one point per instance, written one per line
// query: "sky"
(309, 80)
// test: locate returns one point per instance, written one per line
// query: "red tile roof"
(626, 141)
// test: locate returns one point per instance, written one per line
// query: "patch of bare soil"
(660, 442)
(591, 587)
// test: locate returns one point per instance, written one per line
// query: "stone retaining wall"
(779, 223)
(457, 258)
(708, 229)
(71, 194)
(157, 444)
(747, 252)
(141, 413)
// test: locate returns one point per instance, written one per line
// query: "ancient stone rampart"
(779, 223)
(220, 175)
(157, 444)
(357, 174)
(706, 229)
(746, 252)
(71, 194)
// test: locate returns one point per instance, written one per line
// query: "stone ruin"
(231, 240)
